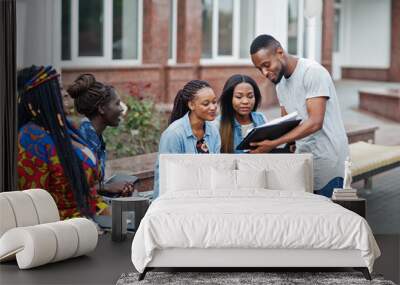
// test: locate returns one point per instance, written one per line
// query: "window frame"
(97, 61)
(235, 58)
(300, 28)
(339, 6)
(174, 32)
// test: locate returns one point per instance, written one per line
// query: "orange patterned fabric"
(39, 166)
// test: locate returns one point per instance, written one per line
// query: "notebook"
(270, 130)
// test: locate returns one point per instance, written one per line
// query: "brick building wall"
(327, 34)
(394, 70)
(162, 81)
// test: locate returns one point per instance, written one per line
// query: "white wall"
(35, 32)
(367, 33)
(272, 18)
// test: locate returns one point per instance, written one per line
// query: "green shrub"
(139, 132)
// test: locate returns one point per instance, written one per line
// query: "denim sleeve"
(216, 145)
(169, 143)
(263, 118)
(217, 123)
(84, 131)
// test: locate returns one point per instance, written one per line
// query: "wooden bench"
(360, 132)
(371, 159)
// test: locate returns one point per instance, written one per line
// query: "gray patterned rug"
(242, 278)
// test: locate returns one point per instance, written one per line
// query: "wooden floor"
(102, 266)
(106, 264)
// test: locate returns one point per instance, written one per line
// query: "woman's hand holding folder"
(267, 137)
(263, 146)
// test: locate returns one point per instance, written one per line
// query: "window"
(66, 30)
(337, 26)
(225, 27)
(228, 29)
(100, 32)
(172, 31)
(293, 10)
(125, 29)
(90, 28)
(247, 27)
(295, 27)
(207, 16)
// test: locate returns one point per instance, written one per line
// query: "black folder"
(269, 132)
(122, 177)
(117, 178)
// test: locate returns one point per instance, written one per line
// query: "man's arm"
(291, 145)
(316, 111)
(283, 111)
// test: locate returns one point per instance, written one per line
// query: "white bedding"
(252, 218)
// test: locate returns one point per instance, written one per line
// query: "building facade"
(155, 46)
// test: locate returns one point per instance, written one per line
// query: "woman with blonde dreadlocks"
(51, 153)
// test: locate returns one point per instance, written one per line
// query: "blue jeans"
(327, 190)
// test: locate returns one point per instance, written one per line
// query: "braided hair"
(40, 102)
(184, 96)
(89, 94)
(227, 111)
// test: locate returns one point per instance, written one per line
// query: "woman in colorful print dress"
(51, 153)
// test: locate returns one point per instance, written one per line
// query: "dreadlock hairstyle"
(184, 96)
(264, 41)
(227, 111)
(89, 94)
(39, 101)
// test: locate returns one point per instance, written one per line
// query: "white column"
(36, 26)
(313, 29)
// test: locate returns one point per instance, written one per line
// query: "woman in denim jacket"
(190, 129)
(239, 101)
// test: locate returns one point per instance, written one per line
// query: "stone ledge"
(383, 102)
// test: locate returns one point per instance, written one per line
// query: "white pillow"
(188, 177)
(251, 178)
(223, 179)
(226, 179)
(282, 174)
(294, 180)
(194, 174)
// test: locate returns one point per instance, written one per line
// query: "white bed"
(203, 219)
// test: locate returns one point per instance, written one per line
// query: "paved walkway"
(383, 200)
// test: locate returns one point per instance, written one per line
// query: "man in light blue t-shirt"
(304, 86)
